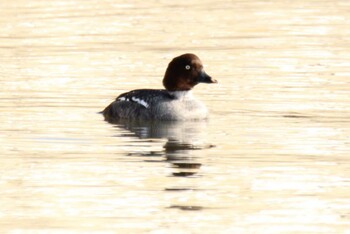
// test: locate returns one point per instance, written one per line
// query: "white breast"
(185, 106)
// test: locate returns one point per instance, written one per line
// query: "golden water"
(273, 158)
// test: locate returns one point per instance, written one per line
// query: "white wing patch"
(140, 101)
(134, 99)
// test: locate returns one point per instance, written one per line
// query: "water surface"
(273, 158)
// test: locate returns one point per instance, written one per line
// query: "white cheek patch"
(121, 99)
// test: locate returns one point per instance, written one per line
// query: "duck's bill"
(205, 78)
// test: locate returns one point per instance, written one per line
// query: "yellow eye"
(188, 67)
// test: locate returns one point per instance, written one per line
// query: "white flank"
(141, 102)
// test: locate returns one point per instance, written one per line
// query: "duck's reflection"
(183, 138)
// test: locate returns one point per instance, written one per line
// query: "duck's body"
(176, 102)
(156, 104)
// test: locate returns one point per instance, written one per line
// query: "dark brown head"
(184, 72)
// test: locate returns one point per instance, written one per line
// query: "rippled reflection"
(182, 137)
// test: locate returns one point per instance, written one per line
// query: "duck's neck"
(186, 94)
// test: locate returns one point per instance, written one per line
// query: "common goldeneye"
(175, 102)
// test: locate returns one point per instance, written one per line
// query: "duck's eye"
(188, 67)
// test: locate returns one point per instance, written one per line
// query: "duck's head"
(184, 72)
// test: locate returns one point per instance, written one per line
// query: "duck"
(175, 102)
